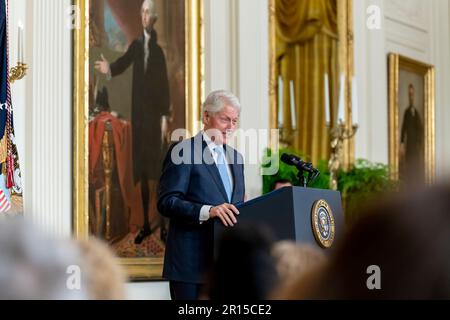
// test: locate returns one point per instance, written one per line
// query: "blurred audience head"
(399, 250)
(244, 267)
(294, 260)
(34, 266)
(281, 183)
(104, 277)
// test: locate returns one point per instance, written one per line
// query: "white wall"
(370, 67)
(158, 290)
(42, 107)
(414, 28)
(252, 80)
(237, 60)
(440, 58)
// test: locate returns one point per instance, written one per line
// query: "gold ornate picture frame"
(411, 132)
(139, 268)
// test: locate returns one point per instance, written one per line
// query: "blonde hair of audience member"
(295, 263)
(34, 266)
(293, 260)
(102, 273)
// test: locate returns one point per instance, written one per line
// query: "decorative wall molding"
(371, 74)
(237, 59)
(218, 45)
(414, 28)
(410, 13)
(408, 27)
(253, 79)
(410, 38)
(440, 51)
(48, 198)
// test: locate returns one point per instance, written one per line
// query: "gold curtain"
(306, 50)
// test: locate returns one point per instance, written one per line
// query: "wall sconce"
(337, 137)
(340, 132)
(19, 72)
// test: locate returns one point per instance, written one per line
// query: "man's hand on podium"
(225, 212)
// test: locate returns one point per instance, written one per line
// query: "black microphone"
(292, 160)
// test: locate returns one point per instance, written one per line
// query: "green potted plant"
(358, 186)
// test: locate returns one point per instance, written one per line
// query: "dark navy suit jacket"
(184, 188)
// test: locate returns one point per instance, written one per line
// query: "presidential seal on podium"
(322, 222)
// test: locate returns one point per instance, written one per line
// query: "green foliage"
(284, 171)
(289, 172)
(362, 184)
(323, 181)
(358, 186)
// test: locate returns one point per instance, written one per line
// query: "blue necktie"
(222, 166)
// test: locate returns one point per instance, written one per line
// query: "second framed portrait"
(138, 77)
(411, 120)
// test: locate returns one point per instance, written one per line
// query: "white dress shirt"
(146, 49)
(204, 211)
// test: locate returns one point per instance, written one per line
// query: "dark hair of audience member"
(244, 268)
(280, 183)
(399, 250)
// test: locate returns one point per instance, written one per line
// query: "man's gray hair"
(217, 100)
(151, 5)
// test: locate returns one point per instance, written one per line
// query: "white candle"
(341, 113)
(20, 42)
(280, 102)
(327, 100)
(293, 113)
(354, 101)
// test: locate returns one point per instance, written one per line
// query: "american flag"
(3, 56)
(5, 100)
(5, 195)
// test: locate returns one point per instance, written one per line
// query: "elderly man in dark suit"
(150, 107)
(202, 180)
